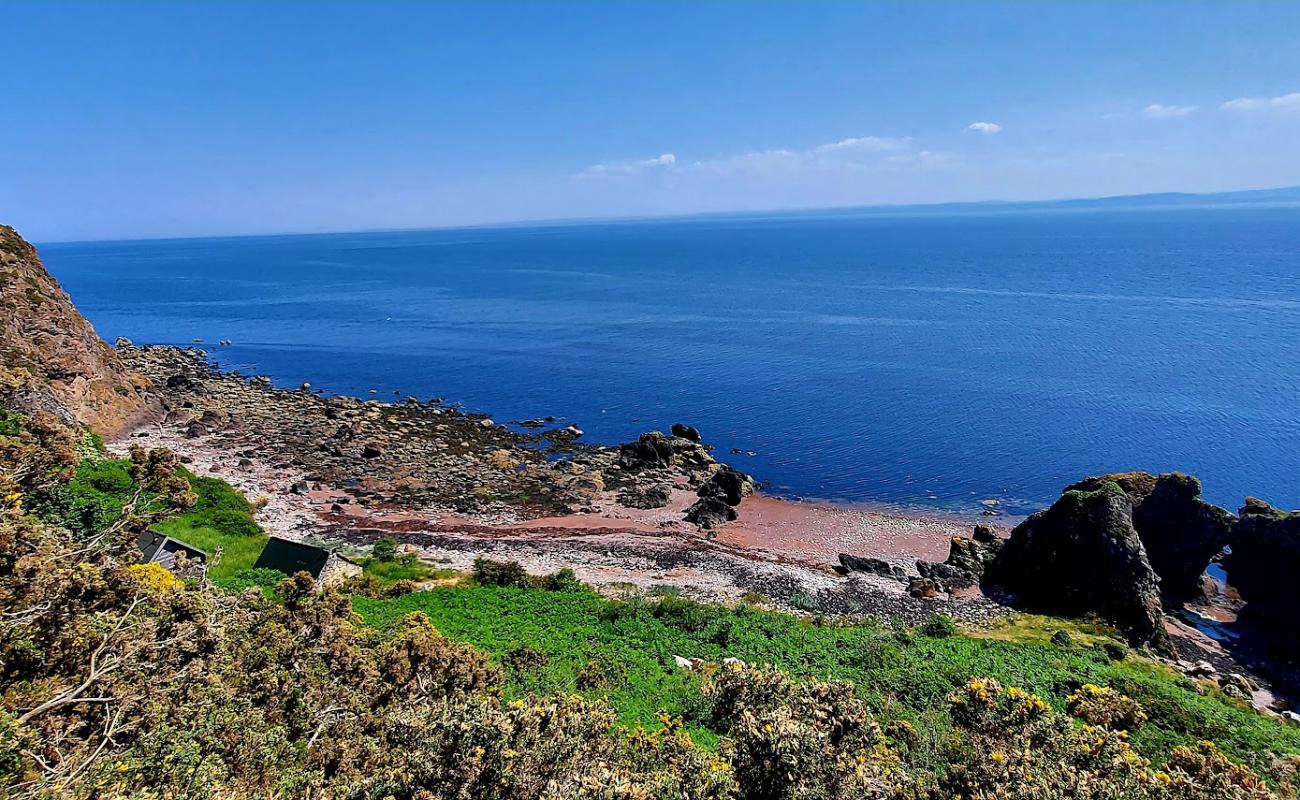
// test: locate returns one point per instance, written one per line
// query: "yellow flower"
(998, 758)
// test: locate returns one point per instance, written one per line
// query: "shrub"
(233, 523)
(261, 577)
(803, 601)
(1105, 707)
(1062, 638)
(524, 659)
(938, 626)
(385, 549)
(601, 673)
(488, 572)
(563, 580)
(682, 612)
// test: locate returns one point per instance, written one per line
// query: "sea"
(953, 362)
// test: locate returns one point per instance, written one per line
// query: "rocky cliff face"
(1083, 555)
(1181, 532)
(1264, 564)
(50, 357)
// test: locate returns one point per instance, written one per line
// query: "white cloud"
(1285, 102)
(868, 143)
(854, 154)
(1158, 111)
(665, 161)
(986, 128)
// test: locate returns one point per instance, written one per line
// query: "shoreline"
(233, 426)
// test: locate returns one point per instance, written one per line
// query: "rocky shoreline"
(453, 485)
(661, 514)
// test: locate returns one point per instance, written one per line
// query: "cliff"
(51, 359)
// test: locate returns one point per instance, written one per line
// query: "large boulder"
(1181, 532)
(719, 496)
(1265, 562)
(727, 484)
(1080, 556)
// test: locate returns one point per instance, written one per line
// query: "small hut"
(177, 557)
(327, 567)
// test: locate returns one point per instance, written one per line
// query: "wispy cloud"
(632, 167)
(986, 128)
(853, 153)
(1285, 102)
(865, 143)
(1159, 111)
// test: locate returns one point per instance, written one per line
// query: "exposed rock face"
(656, 451)
(1264, 565)
(967, 559)
(871, 566)
(50, 357)
(1083, 555)
(1180, 531)
(719, 496)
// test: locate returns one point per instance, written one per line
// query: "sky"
(160, 119)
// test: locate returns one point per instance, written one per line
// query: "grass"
(405, 569)
(220, 519)
(903, 675)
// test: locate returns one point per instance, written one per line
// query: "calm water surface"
(933, 361)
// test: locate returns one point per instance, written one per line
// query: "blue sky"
(144, 119)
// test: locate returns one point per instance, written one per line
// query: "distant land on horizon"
(1277, 196)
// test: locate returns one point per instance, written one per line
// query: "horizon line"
(955, 206)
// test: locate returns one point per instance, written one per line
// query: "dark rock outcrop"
(710, 512)
(967, 559)
(1264, 565)
(727, 484)
(686, 432)
(656, 451)
(1181, 532)
(871, 566)
(51, 359)
(1082, 555)
(719, 496)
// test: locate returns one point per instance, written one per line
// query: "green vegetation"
(901, 676)
(388, 566)
(117, 680)
(220, 519)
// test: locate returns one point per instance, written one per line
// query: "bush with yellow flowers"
(1102, 705)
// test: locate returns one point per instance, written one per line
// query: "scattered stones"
(645, 495)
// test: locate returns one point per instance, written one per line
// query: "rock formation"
(1082, 555)
(1181, 532)
(1264, 564)
(50, 357)
(967, 559)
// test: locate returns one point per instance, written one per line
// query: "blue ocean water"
(931, 360)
